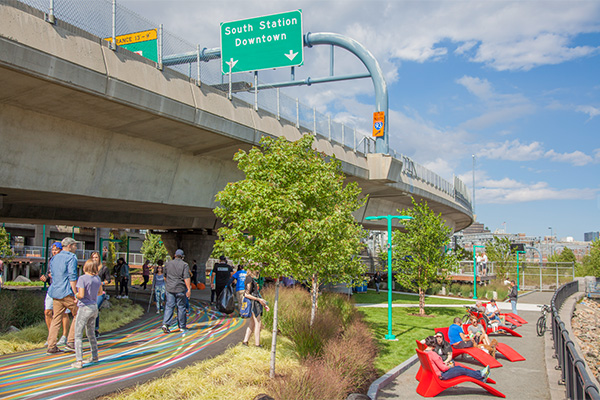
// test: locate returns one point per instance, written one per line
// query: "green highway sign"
(267, 42)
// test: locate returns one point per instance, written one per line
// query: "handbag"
(225, 302)
(246, 308)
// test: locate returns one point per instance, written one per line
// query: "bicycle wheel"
(541, 325)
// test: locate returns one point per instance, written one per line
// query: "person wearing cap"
(63, 269)
(48, 302)
(221, 274)
(178, 290)
(443, 348)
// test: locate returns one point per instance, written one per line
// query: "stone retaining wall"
(586, 329)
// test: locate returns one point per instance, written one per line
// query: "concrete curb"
(386, 379)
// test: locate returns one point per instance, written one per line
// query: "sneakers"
(77, 364)
(97, 333)
(158, 311)
(117, 297)
(53, 350)
(485, 373)
(62, 341)
(92, 360)
(166, 329)
(245, 344)
(70, 347)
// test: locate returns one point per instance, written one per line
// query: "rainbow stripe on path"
(139, 350)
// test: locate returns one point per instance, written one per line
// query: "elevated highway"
(95, 137)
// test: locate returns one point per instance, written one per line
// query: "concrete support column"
(197, 244)
(39, 239)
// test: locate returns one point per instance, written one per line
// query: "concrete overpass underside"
(94, 137)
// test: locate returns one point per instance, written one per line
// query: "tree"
(6, 253)
(566, 255)
(499, 251)
(419, 255)
(291, 216)
(591, 263)
(153, 248)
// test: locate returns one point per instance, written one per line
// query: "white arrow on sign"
(231, 63)
(291, 55)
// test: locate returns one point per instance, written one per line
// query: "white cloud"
(589, 110)
(513, 151)
(506, 191)
(576, 158)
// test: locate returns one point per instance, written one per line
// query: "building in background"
(591, 236)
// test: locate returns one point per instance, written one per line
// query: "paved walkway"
(129, 356)
(520, 380)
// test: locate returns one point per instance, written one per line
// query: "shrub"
(435, 288)
(466, 290)
(455, 288)
(20, 309)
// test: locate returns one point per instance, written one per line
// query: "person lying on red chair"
(457, 337)
(444, 371)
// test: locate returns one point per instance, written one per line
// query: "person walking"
(89, 287)
(252, 293)
(63, 269)
(512, 296)
(159, 288)
(178, 288)
(104, 275)
(123, 268)
(221, 275)
(49, 302)
(145, 274)
(240, 281)
(377, 280)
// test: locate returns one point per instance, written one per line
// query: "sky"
(516, 84)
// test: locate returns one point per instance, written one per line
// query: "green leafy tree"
(6, 253)
(153, 248)
(111, 256)
(418, 254)
(590, 265)
(291, 216)
(498, 250)
(566, 255)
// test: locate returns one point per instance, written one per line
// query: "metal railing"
(96, 18)
(574, 376)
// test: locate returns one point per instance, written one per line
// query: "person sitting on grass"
(456, 336)
(444, 371)
(89, 287)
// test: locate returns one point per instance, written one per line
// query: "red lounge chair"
(512, 318)
(422, 347)
(478, 354)
(504, 349)
(430, 385)
(500, 329)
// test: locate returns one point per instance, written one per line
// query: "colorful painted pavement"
(128, 354)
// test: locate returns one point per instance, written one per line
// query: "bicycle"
(541, 322)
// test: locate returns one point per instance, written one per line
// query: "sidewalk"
(520, 380)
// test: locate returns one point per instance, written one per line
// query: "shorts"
(49, 304)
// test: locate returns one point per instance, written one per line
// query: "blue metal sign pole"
(389, 219)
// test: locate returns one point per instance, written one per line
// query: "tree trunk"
(315, 298)
(421, 302)
(274, 339)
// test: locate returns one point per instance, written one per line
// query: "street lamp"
(518, 251)
(389, 219)
(551, 233)
(475, 270)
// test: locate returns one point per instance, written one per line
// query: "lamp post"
(551, 233)
(389, 219)
(475, 270)
(518, 251)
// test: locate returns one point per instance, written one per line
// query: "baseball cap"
(179, 253)
(58, 245)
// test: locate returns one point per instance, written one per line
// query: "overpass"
(95, 137)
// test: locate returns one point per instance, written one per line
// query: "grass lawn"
(120, 313)
(371, 297)
(407, 329)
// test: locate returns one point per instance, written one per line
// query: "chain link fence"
(96, 17)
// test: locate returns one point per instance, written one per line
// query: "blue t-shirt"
(240, 277)
(159, 280)
(91, 285)
(454, 333)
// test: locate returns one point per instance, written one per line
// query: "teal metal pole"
(475, 270)
(389, 219)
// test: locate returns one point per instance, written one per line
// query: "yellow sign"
(135, 37)
(378, 123)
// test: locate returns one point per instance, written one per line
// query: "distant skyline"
(515, 83)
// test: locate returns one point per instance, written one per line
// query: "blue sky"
(515, 83)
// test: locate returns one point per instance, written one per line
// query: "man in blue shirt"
(239, 277)
(456, 336)
(63, 268)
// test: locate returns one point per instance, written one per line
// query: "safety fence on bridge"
(574, 375)
(96, 18)
(547, 276)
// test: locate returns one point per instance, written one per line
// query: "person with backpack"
(252, 293)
